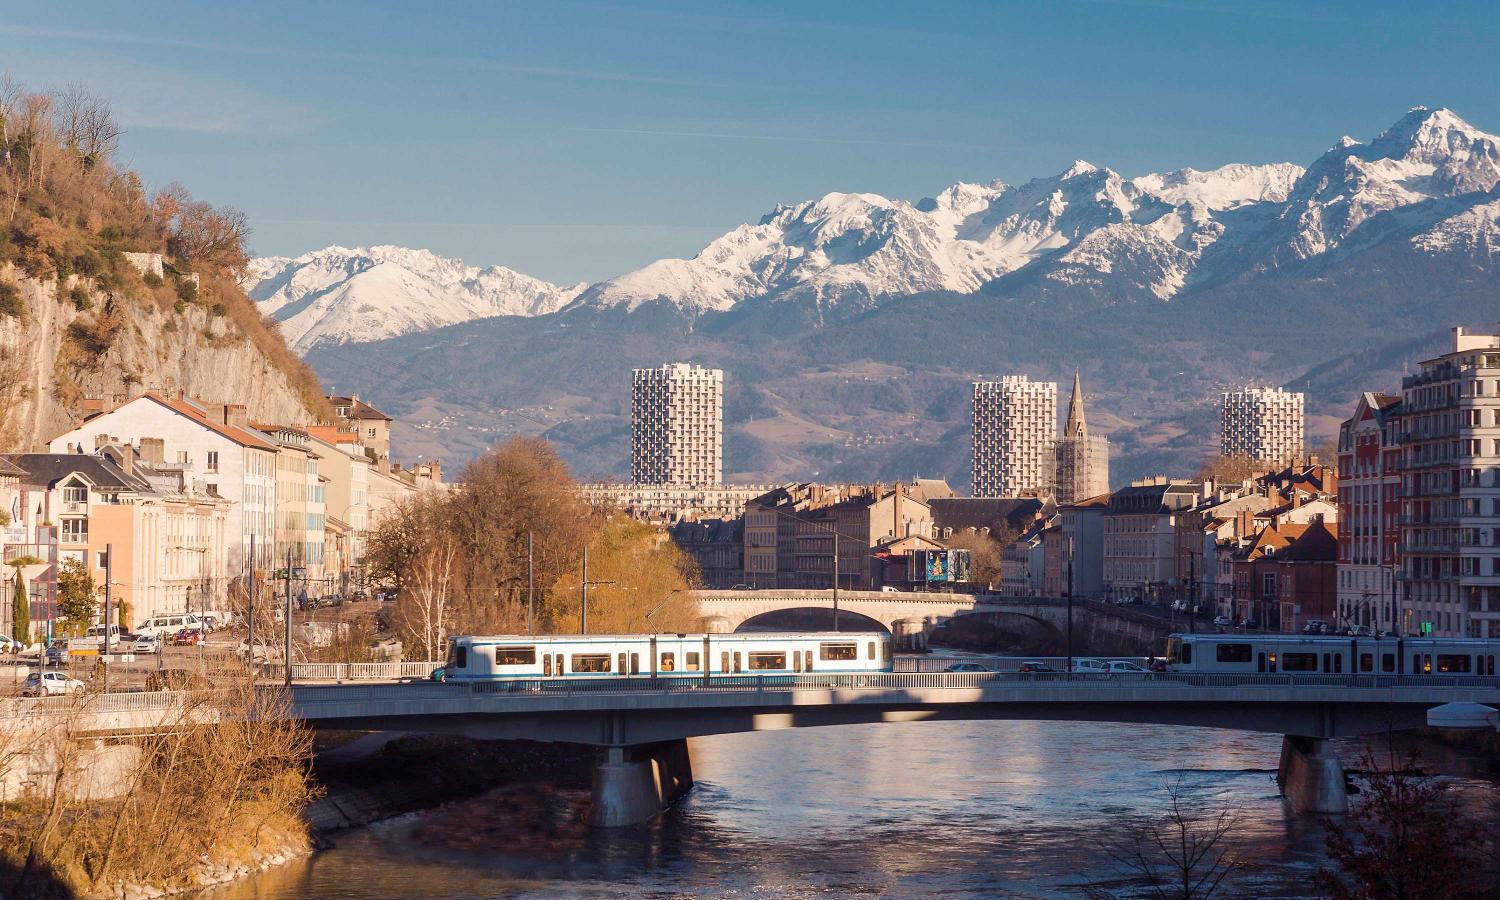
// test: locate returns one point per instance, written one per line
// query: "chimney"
(236, 415)
(153, 450)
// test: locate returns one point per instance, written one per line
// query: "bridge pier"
(633, 784)
(1311, 776)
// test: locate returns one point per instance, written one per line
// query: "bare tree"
(423, 604)
(85, 125)
(1181, 855)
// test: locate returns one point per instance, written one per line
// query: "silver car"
(49, 684)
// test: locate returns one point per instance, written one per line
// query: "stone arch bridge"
(911, 616)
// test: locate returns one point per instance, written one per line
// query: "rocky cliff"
(71, 346)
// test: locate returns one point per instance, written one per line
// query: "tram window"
(1231, 653)
(1367, 662)
(760, 661)
(1453, 662)
(1187, 652)
(737, 662)
(546, 664)
(1387, 662)
(635, 664)
(797, 660)
(691, 660)
(668, 661)
(559, 665)
(622, 669)
(1416, 663)
(838, 651)
(515, 656)
(724, 662)
(1491, 664)
(1338, 662)
(459, 659)
(1299, 662)
(807, 660)
(590, 662)
(872, 650)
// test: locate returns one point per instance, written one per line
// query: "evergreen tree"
(21, 611)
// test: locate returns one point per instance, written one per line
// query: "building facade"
(1262, 424)
(1013, 437)
(1369, 502)
(677, 425)
(1081, 460)
(667, 503)
(1449, 526)
(1140, 536)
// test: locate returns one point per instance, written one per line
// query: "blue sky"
(576, 140)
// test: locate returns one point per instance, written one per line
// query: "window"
(692, 662)
(1268, 584)
(546, 664)
(1453, 662)
(182, 457)
(724, 662)
(1387, 662)
(839, 652)
(1299, 662)
(1187, 651)
(1232, 653)
(589, 662)
(763, 661)
(458, 657)
(75, 493)
(75, 531)
(515, 656)
(668, 662)
(213, 461)
(1367, 662)
(372, 432)
(872, 650)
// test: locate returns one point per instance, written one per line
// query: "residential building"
(211, 444)
(667, 503)
(1081, 527)
(717, 546)
(1449, 549)
(1369, 502)
(1140, 528)
(677, 425)
(790, 532)
(168, 536)
(999, 517)
(1081, 460)
(1287, 576)
(1014, 430)
(1023, 564)
(346, 469)
(301, 507)
(371, 426)
(1262, 424)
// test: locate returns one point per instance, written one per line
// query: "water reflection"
(1014, 809)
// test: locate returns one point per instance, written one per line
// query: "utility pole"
(287, 643)
(835, 575)
(109, 582)
(531, 584)
(584, 616)
(250, 638)
(1070, 606)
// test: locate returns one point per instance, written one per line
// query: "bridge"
(643, 724)
(911, 616)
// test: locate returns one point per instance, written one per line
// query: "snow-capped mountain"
(337, 295)
(1092, 229)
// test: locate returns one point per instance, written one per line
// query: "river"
(1009, 809)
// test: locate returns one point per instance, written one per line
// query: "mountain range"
(855, 322)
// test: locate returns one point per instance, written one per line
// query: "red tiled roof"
(242, 436)
(330, 434)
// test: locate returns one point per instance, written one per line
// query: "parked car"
(1249, 624)
(1315, 626)
(49, 684)
(187, 638)
(1094, 666)
(1125, 667)
(1034, 668)
(55, 655)
(146, 643)
(967, 667)
(7, 645)
(1223, 621)
(170, 624)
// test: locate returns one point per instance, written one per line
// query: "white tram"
(682, 656)
(1255, 653)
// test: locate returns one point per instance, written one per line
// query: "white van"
(168, 625)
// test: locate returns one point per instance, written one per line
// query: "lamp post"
(1070, 606)
(584, 612)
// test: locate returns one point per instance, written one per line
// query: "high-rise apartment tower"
(677, 425)
(1014, 436)
(1082, 460)
(1263, 424)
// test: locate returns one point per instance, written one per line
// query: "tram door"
(635, 664)
(796, 661)
(546, 665)
(1260, 661)
(723, 662)
(559, 666)
(621, 667)
(807, 658)
(736, 662)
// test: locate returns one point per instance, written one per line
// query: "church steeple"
(1076, 427)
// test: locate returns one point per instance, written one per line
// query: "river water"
(956, 809)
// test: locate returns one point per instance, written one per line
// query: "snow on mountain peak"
(339, 295)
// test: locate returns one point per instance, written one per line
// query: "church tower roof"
(1076, 427)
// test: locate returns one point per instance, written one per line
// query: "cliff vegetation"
(108, 290)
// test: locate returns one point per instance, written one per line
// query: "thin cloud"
(791, 138)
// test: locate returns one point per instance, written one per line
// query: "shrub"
(218, 309)
(152, 279)
(88, 263)
(111, 233)
(187, 290)
(11, 303)
(179, 307)
(80, 297)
